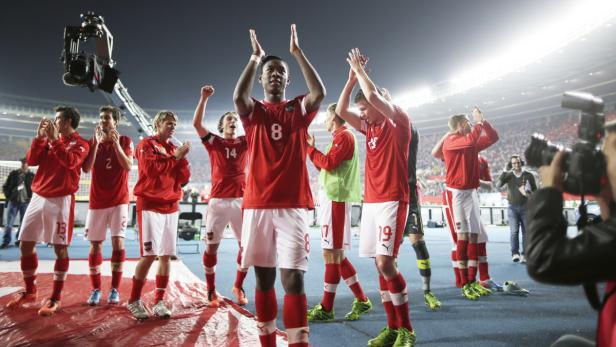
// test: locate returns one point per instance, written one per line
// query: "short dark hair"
(115, 113)
(222, 119)
(71, 113)
(22, 160)
(269, 58)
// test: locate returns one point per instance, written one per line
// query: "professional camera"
(86, 69)
(584, 163)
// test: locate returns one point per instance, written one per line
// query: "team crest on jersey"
(372, 142)
(289, 107)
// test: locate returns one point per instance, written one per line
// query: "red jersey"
(461, 153)
(59, 164)
(484, 169)
(276, 135)
(342, 148)
(161, 176)
(228, 159)
(109, 179)
(387, 154)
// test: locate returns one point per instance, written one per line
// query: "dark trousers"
(517, 222)
(13, 210)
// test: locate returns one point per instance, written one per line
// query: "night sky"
(166, 51)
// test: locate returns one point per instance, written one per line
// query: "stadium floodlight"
(578, 21)
(415, 98)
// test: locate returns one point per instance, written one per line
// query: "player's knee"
(265, 278)
(95, 247)
(421, 250)
(386, 266)
(26, 247)
(292, 281)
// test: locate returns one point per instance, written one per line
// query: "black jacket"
(13, 181)
(588, 257)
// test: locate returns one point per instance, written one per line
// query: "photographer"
(590, 256)
(520, 184)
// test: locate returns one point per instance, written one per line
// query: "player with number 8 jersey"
(277, 196)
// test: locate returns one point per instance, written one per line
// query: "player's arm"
(206, 92)
(125, 157)
(316, 89)
(153, 164)
(368, 87)
(437, 150)
(243, 89)
(37, 148)
(343, 107)
(182, 167)
(463, 142)
(70, 157)
(342, 149)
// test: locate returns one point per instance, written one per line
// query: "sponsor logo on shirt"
(289, 107)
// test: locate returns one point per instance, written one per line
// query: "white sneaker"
(161, 310)
(515, 258)
(522, 259)
(138, 310)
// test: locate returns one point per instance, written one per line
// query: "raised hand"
(114, 136)
(41, 131)
(52, 131)
(477, 115)
(257, 51)
(311, 140)
(207, 91)
(180, 152)
(99, 135)
(294, 46)
(356, 61)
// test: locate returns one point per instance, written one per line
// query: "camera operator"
(590, 256)
(520, 184)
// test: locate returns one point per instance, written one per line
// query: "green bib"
(342, 183)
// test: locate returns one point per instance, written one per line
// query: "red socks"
(350, 278)
(392, 321)
(267, 309)
(332, 278)
(482, 257)
(60, 270)
(461, 251)
(209, 263)
(29, 263)
(161, 286)
(136, 290)
(94, 261)
(295, 319)
(399, 298)
(472, 262)
(117, 259)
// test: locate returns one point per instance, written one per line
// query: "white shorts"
(157, 232)
(382, 228)
(447, 206)
(49, 220)
(465, 210)
(335, 221)
(97, 221)
(276, 238)
(221, 212)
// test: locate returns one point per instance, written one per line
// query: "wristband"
(255, 58)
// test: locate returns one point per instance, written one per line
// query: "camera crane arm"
(96, 71)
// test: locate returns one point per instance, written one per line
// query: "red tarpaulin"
(77, 324)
